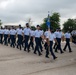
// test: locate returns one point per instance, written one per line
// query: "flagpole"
(48, 20)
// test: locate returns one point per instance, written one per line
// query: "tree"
(55, 21)
(69, 25)
(33, 27)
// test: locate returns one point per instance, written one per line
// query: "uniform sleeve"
(30, 31)
(3, 31)
(70, 35)
(22, 31)
(42, 32)
(54, 36)
(15, 31)
(48, 35)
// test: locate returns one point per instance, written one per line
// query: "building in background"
(9, 26)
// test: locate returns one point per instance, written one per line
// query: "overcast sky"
(19, 11)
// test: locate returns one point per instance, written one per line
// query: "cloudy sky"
(19, 11)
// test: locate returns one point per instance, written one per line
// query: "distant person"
(56, 32)
(46, 43)
(37, 35)
(19, 34)
(26, 32)
(31, 43)
(1, 35)
(6, 35)
(12, 36)
(9, 39)
(51, 38)
(67, 36)
(59, 38)
(41, 40)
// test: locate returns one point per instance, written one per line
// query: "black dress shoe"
(53, 47)
(40, 54)
(41, 50)
(35, 53)
(24, 49)
(28, 51)
(70, 51)
(32, 48)
(10, 45)
(47, 56)
(17, 47)
(55, 58)
(62, 52)
(20, 48)
(56, 51)
(13, 46)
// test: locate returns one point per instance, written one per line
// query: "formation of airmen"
(37, 39)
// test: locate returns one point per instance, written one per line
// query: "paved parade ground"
(16, 62)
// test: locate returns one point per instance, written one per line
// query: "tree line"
(68, 25)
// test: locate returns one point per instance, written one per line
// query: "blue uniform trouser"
(37, 41)
(5, 39)
(40, 44)
(31, 43)
(51, 50)
(19, 40)
(58, 45)
(9, 40)
(67, 44)
(26, 42)
(1, 37)
(55, 45)
(47, 49)
(12, 40)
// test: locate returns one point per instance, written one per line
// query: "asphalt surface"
(16, 62)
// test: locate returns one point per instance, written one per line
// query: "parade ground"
(16, 62)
